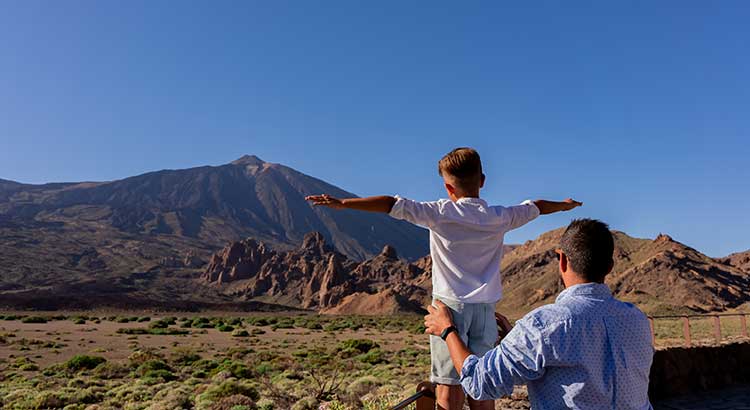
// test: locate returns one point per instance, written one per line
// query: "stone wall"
(678, 371)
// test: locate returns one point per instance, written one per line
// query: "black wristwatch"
(448, 331)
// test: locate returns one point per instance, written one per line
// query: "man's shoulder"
(549, 315)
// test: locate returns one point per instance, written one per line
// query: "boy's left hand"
(325, 200)
(438, 319)
(572, 203)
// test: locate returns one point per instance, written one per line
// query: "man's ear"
(611, 266)
(451, 190)
(481, 182)
(563, 265)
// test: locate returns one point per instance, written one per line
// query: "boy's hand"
(570, 203)
(503, 324)
(325, 200)
(549, 207)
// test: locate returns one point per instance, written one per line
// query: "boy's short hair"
(589, 246)
(464, 165)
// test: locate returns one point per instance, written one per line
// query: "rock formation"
(314, 276)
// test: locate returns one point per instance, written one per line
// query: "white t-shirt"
(466, 243)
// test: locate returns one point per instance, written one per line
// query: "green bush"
(225, 328)
(80, 362)
(228, 388)
(373, 357)
(357, 345)
(144, 319)
(238, 370)
(240, 333)
(160, 374)
(109, 370)
(159, 324)
(34, 319)
(79, 321)
(151, 365)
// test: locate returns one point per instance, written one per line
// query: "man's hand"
(438, 319)
(325, 200)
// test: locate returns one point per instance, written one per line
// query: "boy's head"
(461, 170)
(586, 250)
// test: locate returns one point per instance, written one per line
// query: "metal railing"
(424, 398)
(686, 335)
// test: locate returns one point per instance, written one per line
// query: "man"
(588, 350)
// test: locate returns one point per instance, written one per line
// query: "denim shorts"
(476, 327)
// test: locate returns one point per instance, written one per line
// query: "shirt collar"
(589, 289)
(469, 200)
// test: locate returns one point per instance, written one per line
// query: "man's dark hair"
(589, 246)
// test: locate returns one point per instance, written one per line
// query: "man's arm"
(549, 207)
(372, 204)
(440, 319)
(519, 358)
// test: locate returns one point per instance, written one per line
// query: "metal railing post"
(653, 333)
(717, 328)
(686, 330)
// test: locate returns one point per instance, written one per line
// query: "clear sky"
(640, 109)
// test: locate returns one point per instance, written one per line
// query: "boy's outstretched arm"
(372, 204)
(549, 207)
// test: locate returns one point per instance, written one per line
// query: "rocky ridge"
(315, 276)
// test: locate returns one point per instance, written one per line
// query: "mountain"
(213, 205)
(739, 260)
(660, 276)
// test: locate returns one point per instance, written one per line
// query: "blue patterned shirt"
(587, 350)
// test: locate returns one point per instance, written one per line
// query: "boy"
(466, 245)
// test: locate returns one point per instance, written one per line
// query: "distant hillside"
(740, 260)
(660, 275)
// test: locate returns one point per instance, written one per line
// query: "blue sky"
(639, 109)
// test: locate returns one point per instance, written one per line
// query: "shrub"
(109, 370)
(373, 357)
(240, 333)
(238, 370)
(357, 345)
(257, 331)
(144, 319)
(34, 319)
(159, 324)
(164, 374)
(225, 328)
(184, 357)
(80, 362)
(79, 321)
(226, 389)
(151, 365)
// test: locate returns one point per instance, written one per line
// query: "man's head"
(461, 170)
(585, 252)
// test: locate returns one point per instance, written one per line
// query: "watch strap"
(448, 330)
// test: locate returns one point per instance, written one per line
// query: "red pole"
(653, 334)
(717, 329)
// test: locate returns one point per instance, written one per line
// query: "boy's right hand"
(325, 200)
